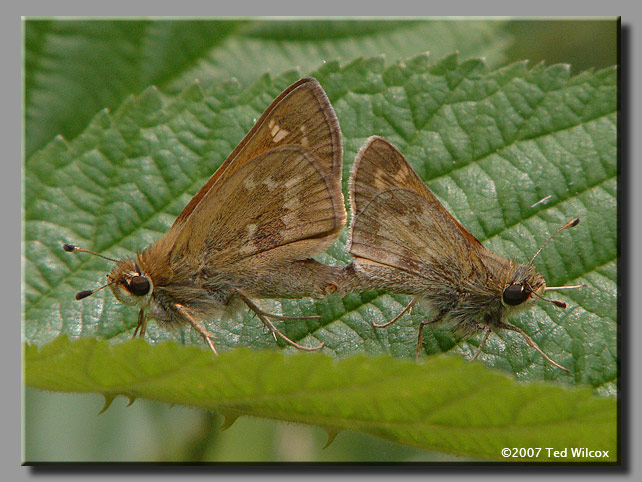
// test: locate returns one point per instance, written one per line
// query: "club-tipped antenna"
(84, 294)
(558, 303)
(571, 287)
(570, 224)
(71, 248)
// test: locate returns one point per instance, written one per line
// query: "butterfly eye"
(516, 294)
(139, 286)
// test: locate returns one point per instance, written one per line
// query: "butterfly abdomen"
(302, 278)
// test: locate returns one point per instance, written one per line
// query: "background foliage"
(82, 192)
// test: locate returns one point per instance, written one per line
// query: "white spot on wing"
(304, 139)
(378, 179)
(247, 249)
(292, 182)
(280, 135)
(249, 183)
(290, 219)
(270, 183)
(292, 203)
(276, 131)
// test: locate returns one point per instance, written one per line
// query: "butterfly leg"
(281, 317)
(532, 344)
(404, 311)
(483, 342)
(273, 329)
(197, 326)
(142, 324)
(420, 335)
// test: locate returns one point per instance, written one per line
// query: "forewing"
(300, 115)
(380, 166)
(401, 230)
(279, 199)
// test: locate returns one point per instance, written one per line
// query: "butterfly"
(251, 230)
(403, 240)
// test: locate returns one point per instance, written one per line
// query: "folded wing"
(401, 231)
(280, 206)
(300, 115)
(380, 166)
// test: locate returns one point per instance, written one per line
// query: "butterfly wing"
(278, 207)
(380, 166)
(400, 230)
(300, 115)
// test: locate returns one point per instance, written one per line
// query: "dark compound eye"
(139, 286)
(516, 294)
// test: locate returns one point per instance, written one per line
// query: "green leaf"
(444, 403)
(74, 68)
(498, 141)
(513, 154)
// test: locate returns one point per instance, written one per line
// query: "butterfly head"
(126, 280)
(527, 285)
(524, 287)
(129, 284)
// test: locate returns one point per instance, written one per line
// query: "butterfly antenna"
(570, 224)
(84, 294)
(557, 288)
(70, 248)
(559, 304)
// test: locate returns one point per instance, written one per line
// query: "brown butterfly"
(403, 240)
(251, 229)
